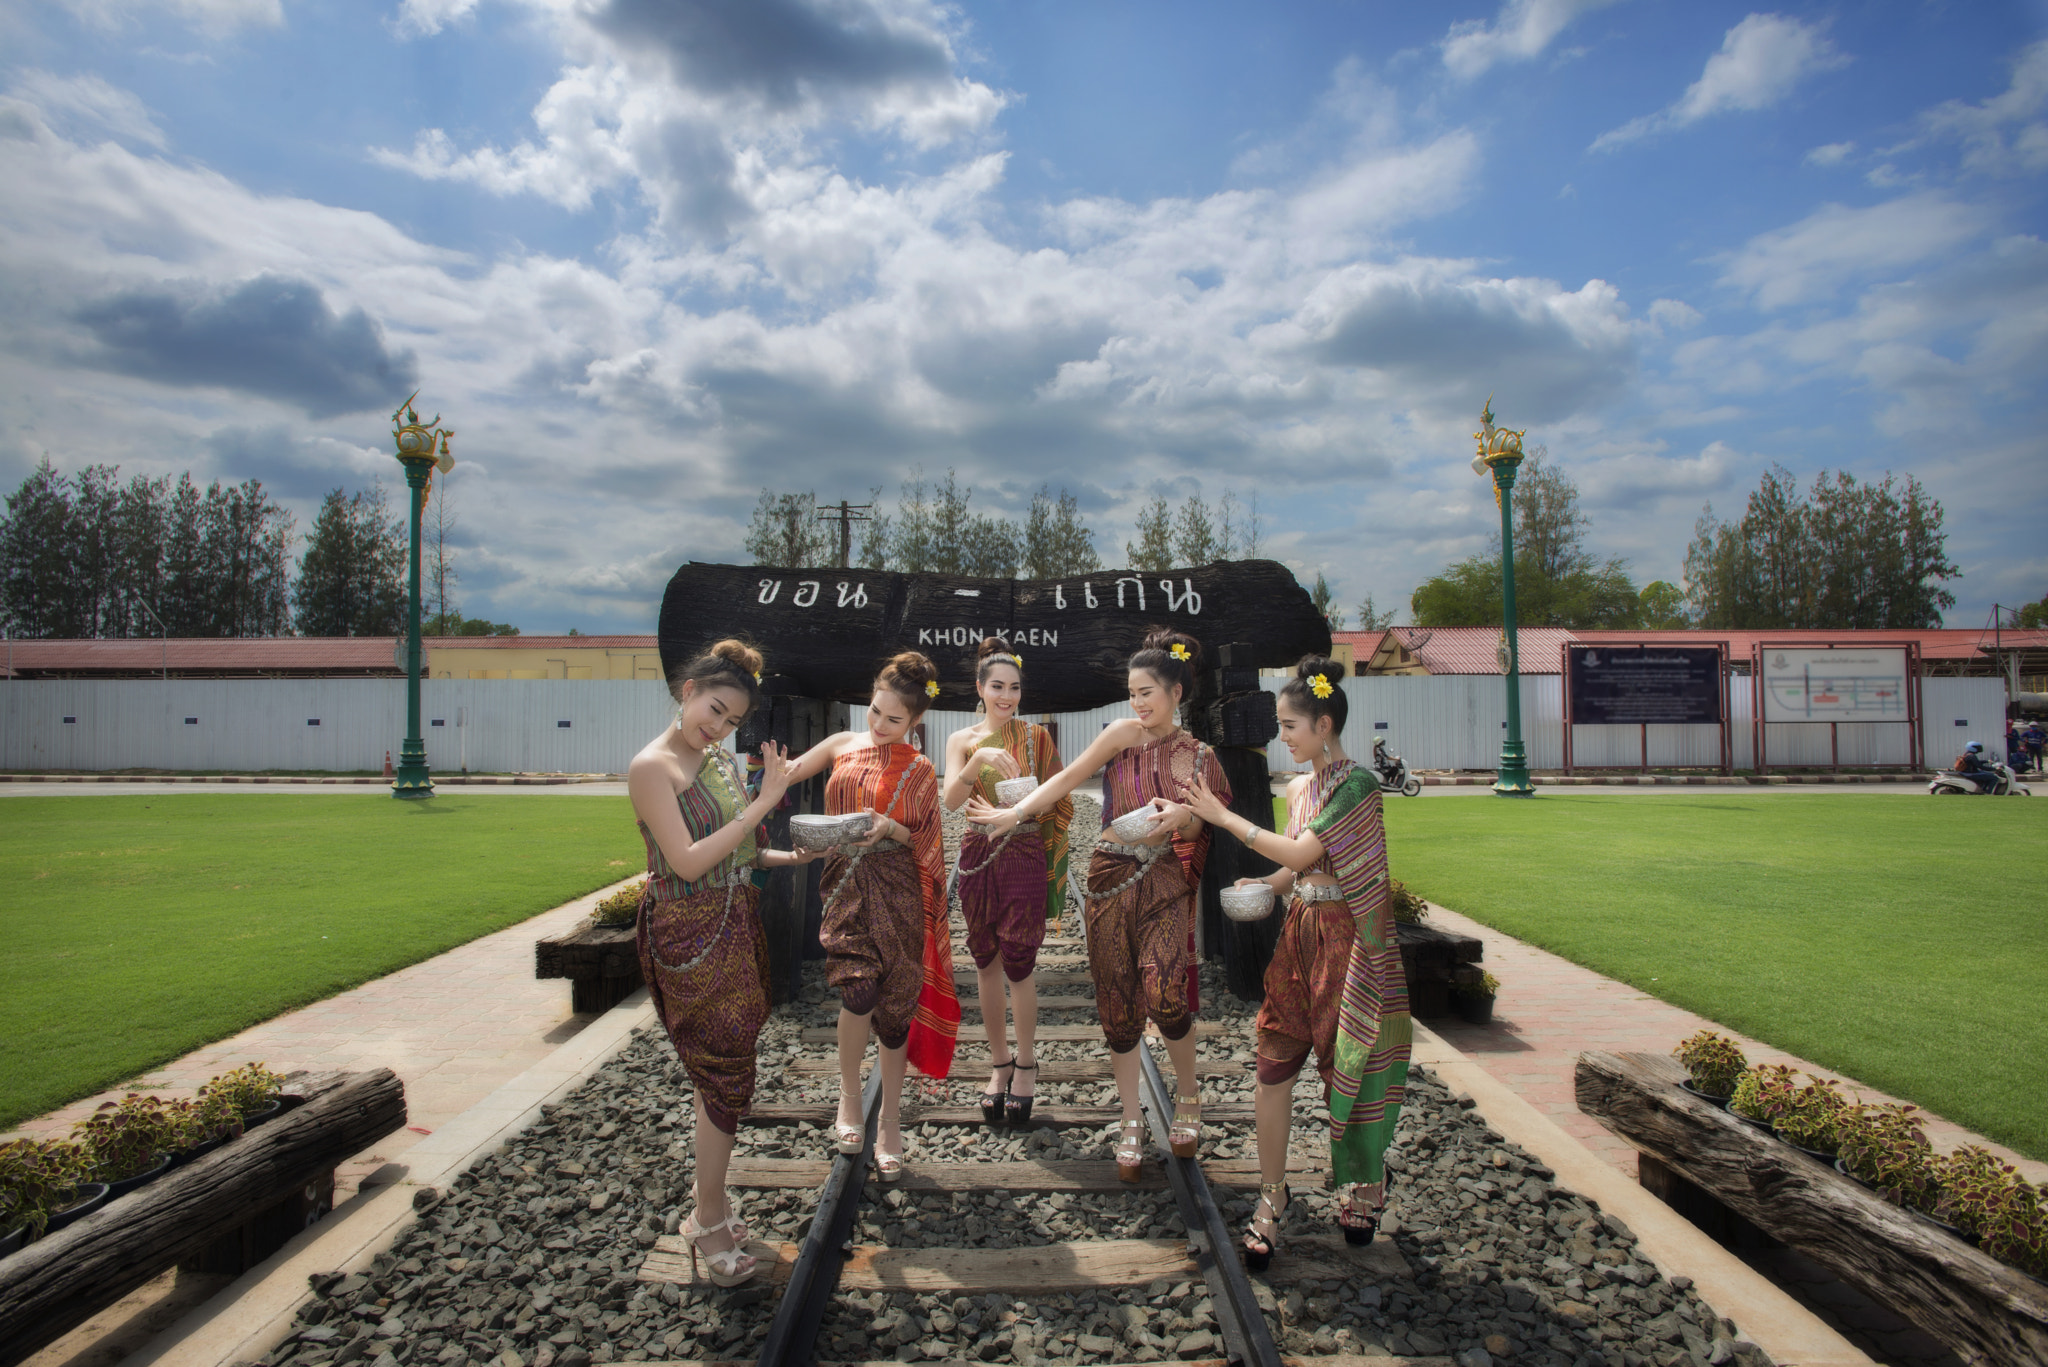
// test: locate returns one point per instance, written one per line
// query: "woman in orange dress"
(888, 948)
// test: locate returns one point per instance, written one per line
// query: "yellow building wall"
(545, 662)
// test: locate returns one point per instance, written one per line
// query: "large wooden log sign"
(824, 631)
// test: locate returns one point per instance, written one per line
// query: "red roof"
(1472, 650)
(304, 655)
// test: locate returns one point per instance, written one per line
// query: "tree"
(1663, 606)
(2033, 615)
(437, 558)
(1321, 595)
(34, 556)
(351, 579)
(1845, 555)
(1194, 533)
(786, 533)
(1153, 550)
(1057, 543)
(1370, 618)
(458, 625)
(1550, 531)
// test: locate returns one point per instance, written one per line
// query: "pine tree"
(1057, 544)
(1153, 550)
(1370, 618)
(1322, 595)
(35, 552)
(786, 532)
(1194, 532)
(351, 579)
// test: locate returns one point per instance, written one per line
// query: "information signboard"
(1802, 684)
(1644, 685)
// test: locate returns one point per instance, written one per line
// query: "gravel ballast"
(530, 1258)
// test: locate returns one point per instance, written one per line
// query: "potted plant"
(1475, 1000)
(201, 1125)
(1760, 1092)
(43, 1187)
(1809, 1119)
(253, 1093)
(1712, 1063)
(1885, 1147)
(129, 1142)
(1407, 907)
(1994, 1207)
(622, 908)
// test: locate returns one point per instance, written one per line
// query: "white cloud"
(2004, 135)
(1760, 62)
(211, 16)
(1674, 314)
(1637, 479)
(1834, 244)
(1521, 31)
(1830, 154)
(424, 18)
(88, 103)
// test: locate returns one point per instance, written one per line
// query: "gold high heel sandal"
(1185, 1133)
(729, 1266)
(1262, 1238)
(1130, 1151)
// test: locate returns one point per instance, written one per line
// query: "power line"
(846, 514)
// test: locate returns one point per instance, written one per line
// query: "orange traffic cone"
(388, 772)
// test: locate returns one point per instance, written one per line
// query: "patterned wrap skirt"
(1140, 945)
(1003, 902)
(1305, 989)
(873, 934)
(706, 966)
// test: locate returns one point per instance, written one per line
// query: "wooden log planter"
(1432, 960)
(61, 1280)
(1984, 1311)
(602, 964)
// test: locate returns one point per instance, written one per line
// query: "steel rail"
(1246, 1339)
(814, 1279)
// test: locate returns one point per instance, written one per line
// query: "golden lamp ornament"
(417, 440)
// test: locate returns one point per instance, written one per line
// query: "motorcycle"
(1393, 772)
(1995, 780)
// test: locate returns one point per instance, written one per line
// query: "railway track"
(863, 1239)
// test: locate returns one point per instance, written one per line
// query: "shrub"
(1887, 1147)
(1488, 986)
(201, 1119)
(125, 1137)
(622, 907)
(1811, 1116)
(245, 1090)
(1984, 1196)
(1407, 907)
(1713, 1061)
(37, 1178)
(1762, 1091)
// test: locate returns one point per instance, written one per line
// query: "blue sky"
(648, 256)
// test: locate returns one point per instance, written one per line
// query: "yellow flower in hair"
(1180, 652)
(1018, 658)
(1320, 686)
(931, 688)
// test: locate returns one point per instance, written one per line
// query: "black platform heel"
(993, 1103)
(1262, 1238)
(1017, 1109)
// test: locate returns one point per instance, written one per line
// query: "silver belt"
(733, 880)
(1021, 828)
(1318, 892)
(1146, 855)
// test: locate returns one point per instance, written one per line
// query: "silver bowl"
(1252, 902)
(1134, 825)
(1012, 791)
(808, 832)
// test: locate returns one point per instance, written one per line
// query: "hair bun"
(1166, 638)
(913, 667)
(1311, 665)
(738, 653)
(992, 645)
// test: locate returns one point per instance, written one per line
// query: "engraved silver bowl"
(807, 832)
(1012, 791)
(1252, 902)
(1134, 825)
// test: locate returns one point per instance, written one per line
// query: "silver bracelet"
(1251, 835)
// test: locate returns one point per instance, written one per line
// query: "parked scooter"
(1993, 780)
(1393, 770)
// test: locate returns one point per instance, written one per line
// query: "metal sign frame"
(1916, 758)
(1564, 664)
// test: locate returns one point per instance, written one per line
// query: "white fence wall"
(515, 725)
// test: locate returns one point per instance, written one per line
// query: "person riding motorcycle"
(1381, 760)
(1972, 760)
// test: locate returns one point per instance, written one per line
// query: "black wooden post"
(789, 904)
(1235, 716)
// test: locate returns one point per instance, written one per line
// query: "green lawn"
(140, 928)
(1899, 940)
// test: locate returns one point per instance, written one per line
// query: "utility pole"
(846, 514)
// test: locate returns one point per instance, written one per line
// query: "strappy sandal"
(995, 1104)
(1262, 1239)
(1359, 1226)
(1130, 1151)
(1017, 1109)
(848, 1139)
(729, 1266)
(1185, 1133)
(888, 1166)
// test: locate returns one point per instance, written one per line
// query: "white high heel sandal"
(729, 1266)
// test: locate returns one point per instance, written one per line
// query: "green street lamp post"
(417, 443)
(1500, 453)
